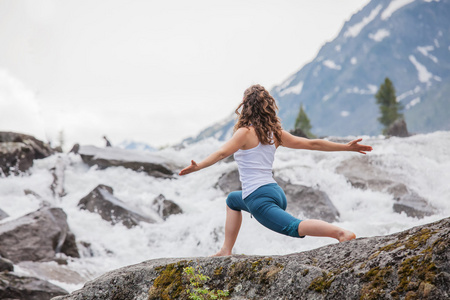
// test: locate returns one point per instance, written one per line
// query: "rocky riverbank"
(67, 218)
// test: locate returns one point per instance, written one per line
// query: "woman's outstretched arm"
(290, 141)
(234, 144)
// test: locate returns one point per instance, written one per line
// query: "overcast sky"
(149, 71)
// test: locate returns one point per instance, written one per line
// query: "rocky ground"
(414, 264)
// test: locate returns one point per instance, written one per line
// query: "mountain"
(132, 145)
(405, 40)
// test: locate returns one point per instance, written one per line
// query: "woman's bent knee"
(235, 202)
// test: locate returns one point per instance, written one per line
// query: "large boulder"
(17, 152)
(101, 200)
(147, 162)
(363, 172)
(52, 271)
(298, 132)
(6, 265)
(3, 214)
(398, 128)
(13, 286)
(41, 150)
(308, 202)
(413, 264)
(229, 182)
(166, 208)
(15, 158)
(302, 200)
(37, 236)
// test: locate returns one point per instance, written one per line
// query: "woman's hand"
(354, 146)
(236, 142)
(192, 168)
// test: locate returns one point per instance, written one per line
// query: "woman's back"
(255, 162)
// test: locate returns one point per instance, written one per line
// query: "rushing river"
(422, 162)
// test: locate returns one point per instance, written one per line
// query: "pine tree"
(302, 122)
(387, 101)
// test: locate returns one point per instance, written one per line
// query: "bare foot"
(222, 253)
(346, 236)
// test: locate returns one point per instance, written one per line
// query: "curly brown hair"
(260, 111)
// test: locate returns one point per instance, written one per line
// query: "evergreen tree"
(387, 101)
(302, 122)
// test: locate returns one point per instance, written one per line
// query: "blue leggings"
(267, 204)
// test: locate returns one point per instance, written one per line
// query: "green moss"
(261, 271)
(418, 239)
(375, 254)
(255, 265)
(305, 272)
(440, 246)
(169, 284)
(375, 284)
(322, 283)
(218, 271)
(416, 271)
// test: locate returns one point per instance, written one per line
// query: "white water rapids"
(421, 161)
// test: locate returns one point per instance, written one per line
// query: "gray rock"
(229, 182)
(115, 157)
(298, 132)
(51, 271)
(413, 264)
(6, 265)
(17, 152)
(37, 236)
(364, 173)
(166, 208)
(41, 150)
(307, 201)
(75, 149)
(15, 158)
(102, 201)
(398, 128)
(3, 214)
(13, 286)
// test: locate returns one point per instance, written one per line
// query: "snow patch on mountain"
(331, 64)
(285, 84)
(422, 72)
(379, 35)
(425, 51)
(408, 93)
(296, 89)
(344, 113)
(354, 30)
(412, 103)
(371, 90)
(436, 43)
(394, 6)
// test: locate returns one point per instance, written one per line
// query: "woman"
(257, 135)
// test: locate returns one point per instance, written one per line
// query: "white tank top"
(255, 167)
